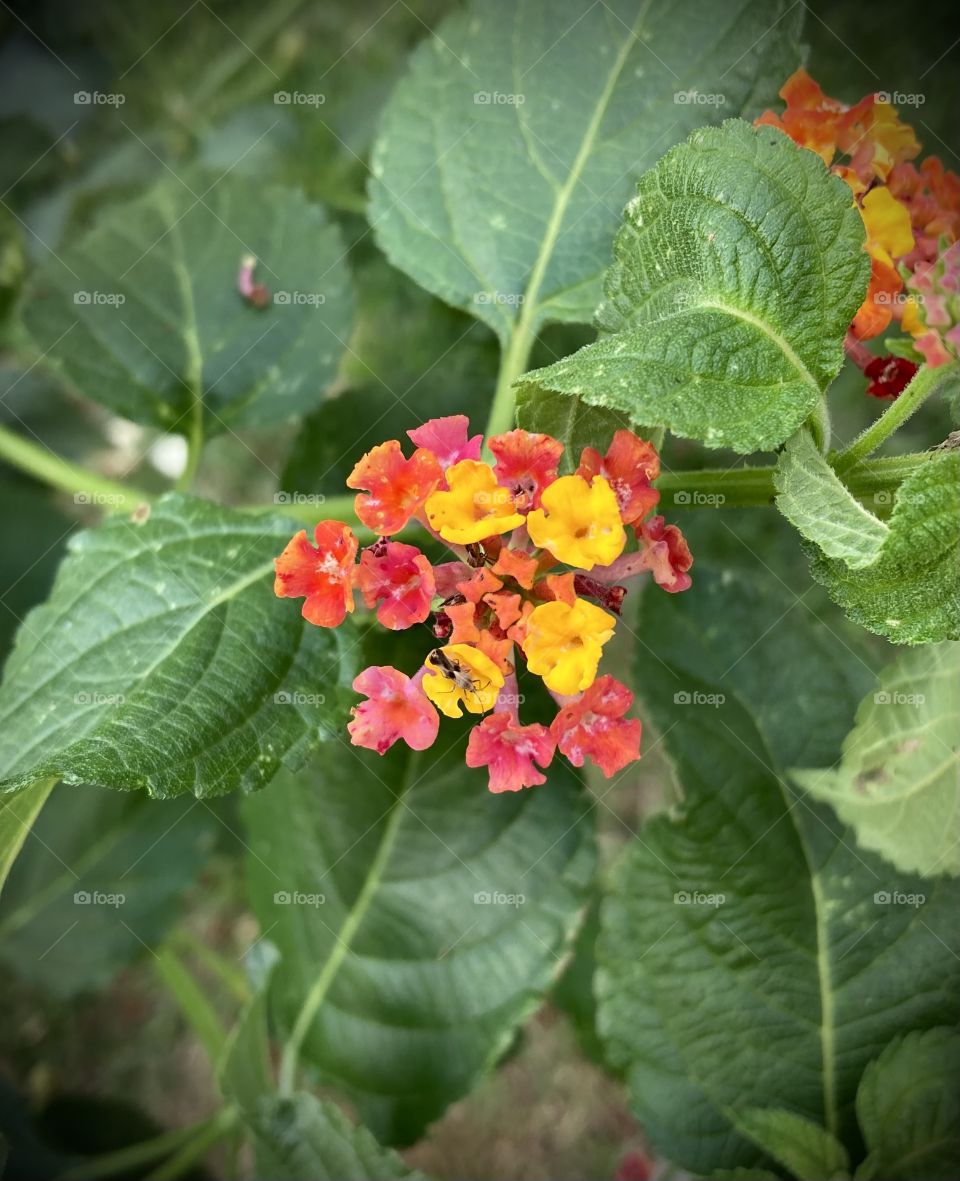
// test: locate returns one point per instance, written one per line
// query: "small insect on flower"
(256, 294)
(451, 668)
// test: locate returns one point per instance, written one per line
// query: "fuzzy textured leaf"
(507, 152)
(404, 866)
(162, 660)
(801, 1146)
(898, 783)
(751, 956)
(908, 1105)
(911, 592)
(142, 313)
(303, 1137)
(737, 272)
(815, 501)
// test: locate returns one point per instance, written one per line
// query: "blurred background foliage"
(85, 1026)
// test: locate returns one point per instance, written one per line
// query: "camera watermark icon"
(298, 898)
(495, 98)
(883, 697)
(694, 98)
(109, 498)
(897, 98)
(285, 698)
(498, 898)
(698, 898)
(897, 297)
(299, 498)
(98, 898)
(310, 299)
(98, 98)
(709, 499)
(902, 496)
(695, 697)
(499, 298)
(898, 898)
(298, 98)
(113, 299)
(83, 698)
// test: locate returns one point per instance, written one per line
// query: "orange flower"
(322, 575)
(398, 487)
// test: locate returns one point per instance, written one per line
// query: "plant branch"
(88, 487)
(513, 362)
(927, 381)
(123, 1160)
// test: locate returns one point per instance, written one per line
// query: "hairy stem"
(926, 382)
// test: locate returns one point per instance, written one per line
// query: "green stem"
(926, 382)
(88, 487)
(122, 1160)
(513, 362)
(194, 447)
(344, 939)
(196, 1148)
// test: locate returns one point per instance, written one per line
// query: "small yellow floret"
(475, 506)
(564, 643)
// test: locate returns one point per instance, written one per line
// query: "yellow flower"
(464, 675)
(581, 525)
(889, 234)
(475, 506)
(563, 644)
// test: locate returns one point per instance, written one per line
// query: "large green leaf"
(97, 883)
(430, 914)
(898, 783)
(142, 313)
(815, 500)
(908, 1105)
(163, 661)
(736, 275)
(507, 152)
(751, 955)
(911, 592)
(303, 1137)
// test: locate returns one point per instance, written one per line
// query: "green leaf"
(304, 1137)
(908, 1105)
(800, 1145)
(17, 814)
(372, 877)
(898, 783)
(911, 592)
(97, 883)
(573, 422)
(163, 661)
(244, 1072)
(749, 956)
(193, 1002)
(815, 500)
(142, 312)
(507, 152)
(736, 275)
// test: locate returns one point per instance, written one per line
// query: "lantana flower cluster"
(912, 219)
(536, 566)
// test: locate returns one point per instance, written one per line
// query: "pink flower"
(447, 439)
(399, 578)
(508, 750)
(594, 727)
(665, 554)
(397, 708)
(526, 463)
